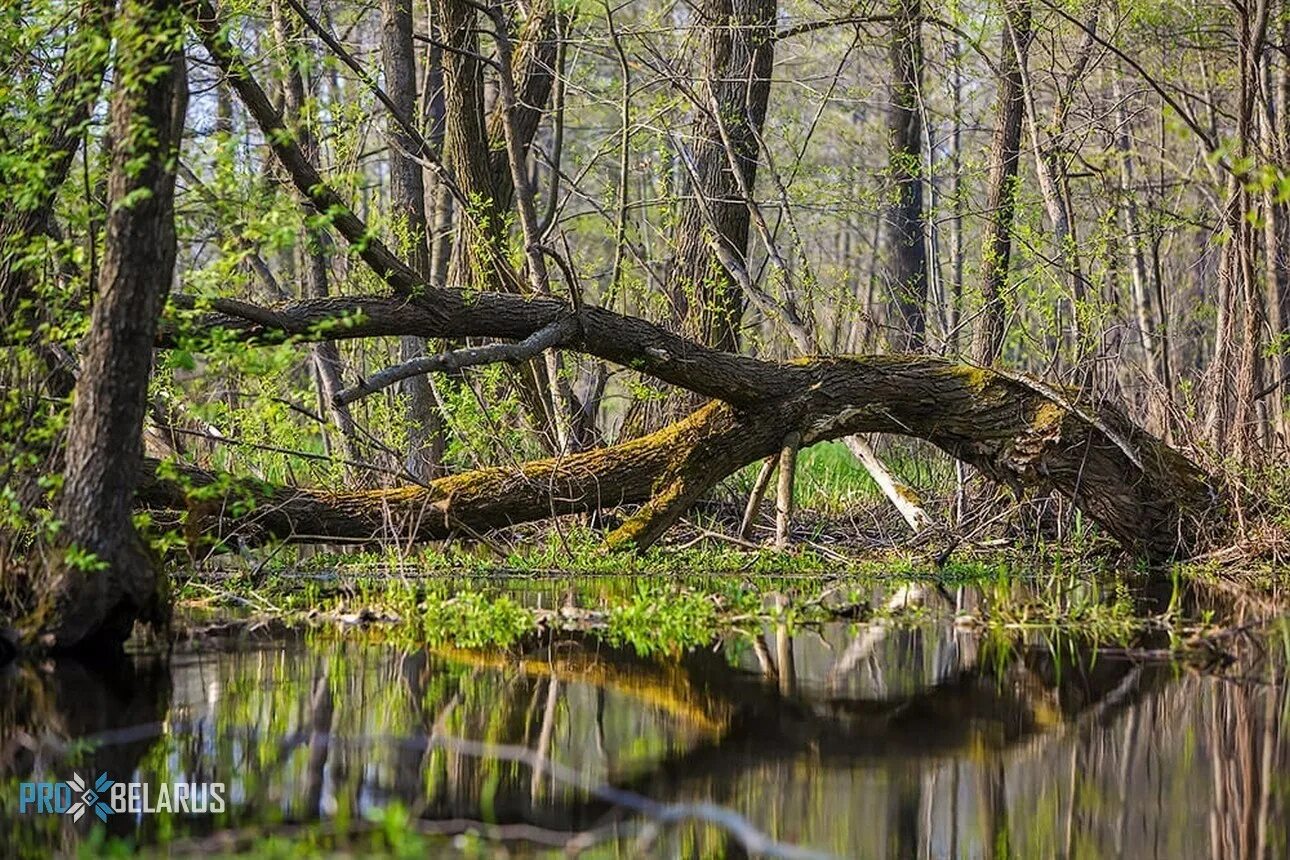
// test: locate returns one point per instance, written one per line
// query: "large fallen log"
(1016, 431)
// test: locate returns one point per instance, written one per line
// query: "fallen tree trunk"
(1015, 431)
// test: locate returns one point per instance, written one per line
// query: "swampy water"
(852, 739)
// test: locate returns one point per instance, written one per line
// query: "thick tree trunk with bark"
(101, 580)
(479, 238)
(739, 52)
(707, 298)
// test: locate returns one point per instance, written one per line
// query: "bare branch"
(555, 334)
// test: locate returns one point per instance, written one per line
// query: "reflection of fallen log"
(670, 687)
(980, 710)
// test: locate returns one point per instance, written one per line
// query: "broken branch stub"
(784, 494)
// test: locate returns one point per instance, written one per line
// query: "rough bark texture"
(738, 54)
(1018, 432)
(479, 237)
(408, 206)
(907, 266)
(85, 602)
(707, 300)
(996, 245)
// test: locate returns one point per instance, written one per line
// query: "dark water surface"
(850, 739)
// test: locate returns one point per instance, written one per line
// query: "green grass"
(830, 481)
(579, 551)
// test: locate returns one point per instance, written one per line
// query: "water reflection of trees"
(860, 740)
(1036, 751)
(45, 707)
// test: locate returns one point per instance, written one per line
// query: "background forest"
(1089, 193)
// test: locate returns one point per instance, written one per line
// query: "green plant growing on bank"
(672, 614)
(660, 619)
(472, 620)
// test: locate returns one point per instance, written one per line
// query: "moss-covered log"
(1017, 432)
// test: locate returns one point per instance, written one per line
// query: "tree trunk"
(707, 301)
(315, 245)
(1017, 431)
(1002, 192)
(1144, 313)
(1276, 240)
(1237, 369)
(1054, 185)
(954, 303)
(535, 67)
(907, 267)
(479, 237)
(738, 38)
(101, 579)
(408, 208)
(480, 241)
